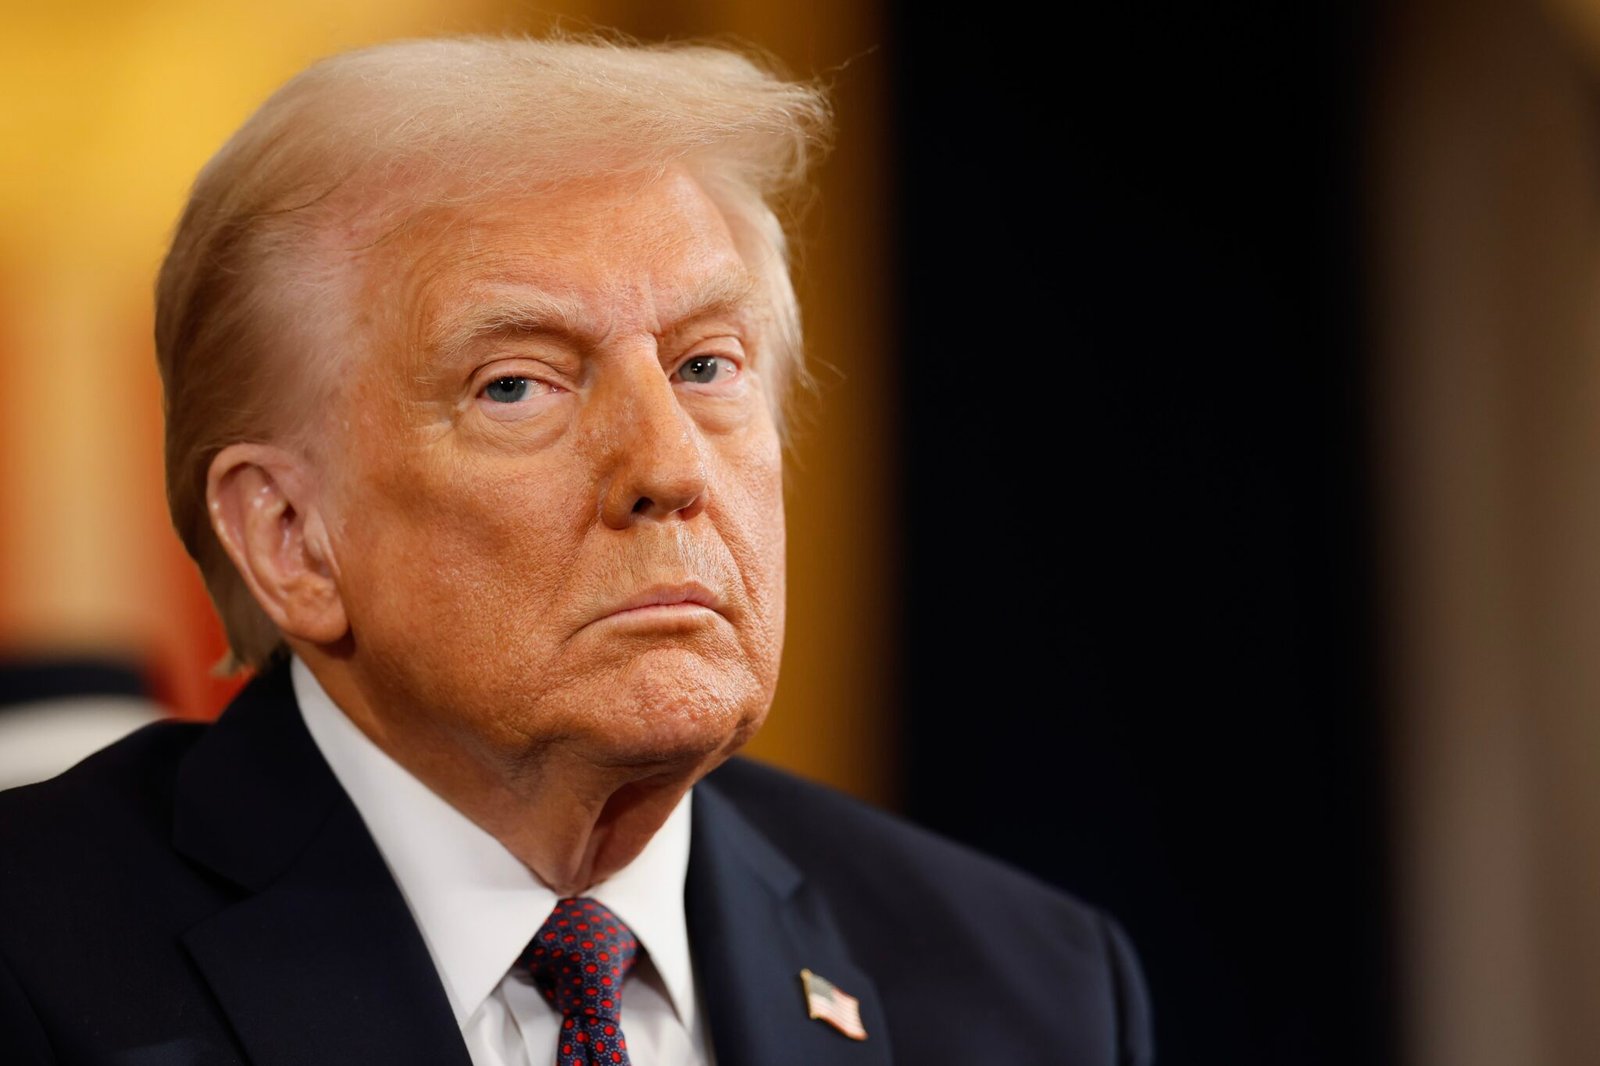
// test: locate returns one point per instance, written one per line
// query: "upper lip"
(666, 595)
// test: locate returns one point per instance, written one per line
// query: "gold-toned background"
(1485, 133)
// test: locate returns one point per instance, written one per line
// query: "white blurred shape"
(39, 740)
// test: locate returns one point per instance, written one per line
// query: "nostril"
(642, 504)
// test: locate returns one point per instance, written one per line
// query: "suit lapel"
(753, 925)
(320, 958)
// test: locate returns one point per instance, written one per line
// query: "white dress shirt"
(478, 906)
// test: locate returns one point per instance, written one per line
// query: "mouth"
(684, 600)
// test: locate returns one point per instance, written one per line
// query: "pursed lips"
(682, 597)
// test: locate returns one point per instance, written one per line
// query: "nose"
(653, 450)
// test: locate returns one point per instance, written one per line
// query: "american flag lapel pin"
(824, 1001)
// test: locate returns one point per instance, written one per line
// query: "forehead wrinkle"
(590, 305)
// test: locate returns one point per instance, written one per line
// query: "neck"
(570, 819)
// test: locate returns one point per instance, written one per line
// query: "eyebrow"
(530, 312)
(526, 312)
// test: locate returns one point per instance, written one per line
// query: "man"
(474, 355)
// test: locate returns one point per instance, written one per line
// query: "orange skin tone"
(454, 555)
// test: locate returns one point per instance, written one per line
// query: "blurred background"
(1201, 505)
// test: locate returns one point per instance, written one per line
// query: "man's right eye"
(506, 390)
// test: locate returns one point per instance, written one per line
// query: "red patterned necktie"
(578, 960)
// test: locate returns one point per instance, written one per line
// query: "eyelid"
(531, 370)
(537, 386)
(718, 342)
(543, 386)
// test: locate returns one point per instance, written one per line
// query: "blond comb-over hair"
(248, 315)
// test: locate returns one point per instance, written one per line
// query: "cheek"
(462, 586)
(463, 554)
(754, 532)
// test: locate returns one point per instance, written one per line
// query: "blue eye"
(506, 390)
(704, 369)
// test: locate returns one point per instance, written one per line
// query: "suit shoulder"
(103, 797)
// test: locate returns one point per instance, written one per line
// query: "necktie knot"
(578, 960)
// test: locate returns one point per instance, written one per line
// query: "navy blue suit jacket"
(208, 894)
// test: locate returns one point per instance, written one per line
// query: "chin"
(659, 715)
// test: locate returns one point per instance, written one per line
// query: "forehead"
(624, 255)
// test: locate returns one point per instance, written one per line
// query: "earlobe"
(267, 517)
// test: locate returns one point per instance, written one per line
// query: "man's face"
(561, 422)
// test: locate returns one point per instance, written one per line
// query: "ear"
(264, 510)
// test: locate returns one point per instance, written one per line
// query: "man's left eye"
(704, 369)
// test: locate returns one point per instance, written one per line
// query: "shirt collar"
(476, 904)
